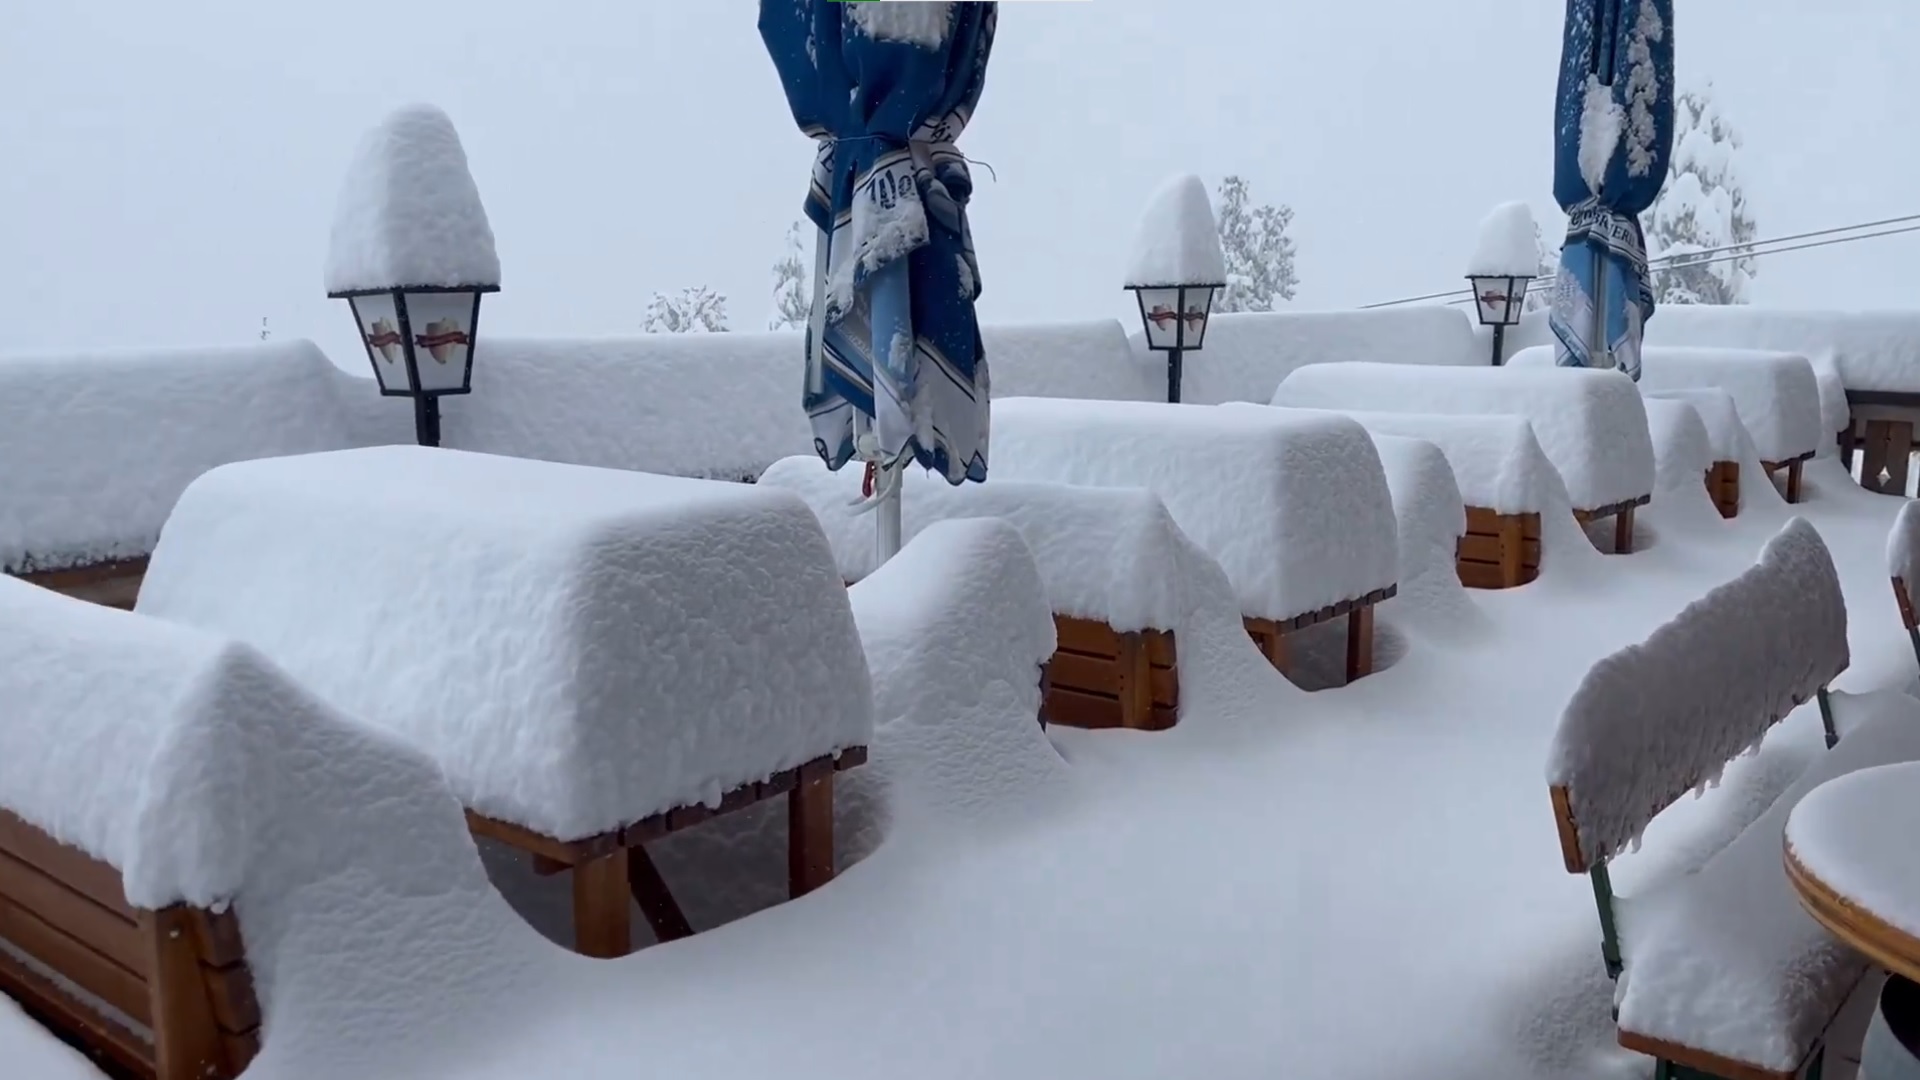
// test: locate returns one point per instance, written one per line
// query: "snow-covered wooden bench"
(1295, 509)
(98, 938)
(1108, 557)
(1504, 478)
(596, 658)
(1708, 981)
(1427, 504)
(1591, 424)
(1727, 438)
(1776, 393)
(1903, 565)
(1682, 453)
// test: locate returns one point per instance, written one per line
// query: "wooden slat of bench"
(1482, 520)
(1714, 1064)
(107, 932)
(1073, 708)
(1480, 548)
(1092, 638)
(1095, 675)
(188, 1038)
(76, 961)
(115, 1044)
(69, 866)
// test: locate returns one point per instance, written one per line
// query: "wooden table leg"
(810, 832)
(1899, 455)
(602, 920)
(1793, 480)
(1623, 532)
(1359, 643)
(1274, 647)
(656, 901)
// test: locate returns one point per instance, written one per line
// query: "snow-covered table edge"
(1838, 905)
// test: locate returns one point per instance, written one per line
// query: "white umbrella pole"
(1601, 351)
(886, 524)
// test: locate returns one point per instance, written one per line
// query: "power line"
(1750, 249)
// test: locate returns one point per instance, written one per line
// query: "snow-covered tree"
(1702, 208)
(698, 310)
(792, 295)
(1259, 252)
(1539, 297)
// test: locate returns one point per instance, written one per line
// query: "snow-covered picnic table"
(595, 657)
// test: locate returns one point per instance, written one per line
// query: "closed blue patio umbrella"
(1613, 139)
(895, 368)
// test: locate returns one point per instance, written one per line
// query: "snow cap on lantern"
(1505, 260)
(412, 252)
(1177, 264)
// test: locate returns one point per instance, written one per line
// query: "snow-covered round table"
(1851, 858)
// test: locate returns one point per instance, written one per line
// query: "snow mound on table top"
(409, 212)
(1726, 960)
(533, 626)
(1248, 353)
(1091, 359)
(1107, 554)
(99, 445)
(1432, 518)
(1776, 393)
(1661, 717)
(1591, 424)
(1497, 462)
(956, 627)
(1507, 244)
(1682, 453)
(1903, 546)
(1178, 242)
(1295, 509)
(1727, 437)
(1872, 350)
(207, 776)
(1846, 833)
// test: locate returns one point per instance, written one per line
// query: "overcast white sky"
(170, 168)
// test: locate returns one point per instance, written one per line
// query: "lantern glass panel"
(1499, 299)
(1160, 310)
(1198, 312)
(442, 326)
(379, 319)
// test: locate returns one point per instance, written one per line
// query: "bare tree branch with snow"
(1260, 271)
(792, 289)
(698, 310)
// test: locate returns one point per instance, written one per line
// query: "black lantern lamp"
(1500, 299)
(420, 341)
(1175, 318)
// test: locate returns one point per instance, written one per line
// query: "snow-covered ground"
(1362, 882)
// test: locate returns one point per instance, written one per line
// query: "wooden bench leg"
(1793, 481)
(1623, 532)
(810, 834)
(655, 899)
(1359, 643)
(602, 920)
(186, 1038)
(1274, 648)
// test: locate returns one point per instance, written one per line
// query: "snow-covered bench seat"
(1727, 439)
(594, 657)
(1503, 477)
(1709, 979)
(1903, 565)
(1591, 424)
(110, 929)
(1106, 555)
(1295, 509)
(1427, 504)
(1682, 453)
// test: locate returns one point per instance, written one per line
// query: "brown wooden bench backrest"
(164, 994)
(1904, 597)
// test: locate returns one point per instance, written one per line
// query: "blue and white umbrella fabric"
(895, 367)
(1613, 139)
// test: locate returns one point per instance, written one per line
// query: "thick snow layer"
(409, 213)
(1295, 508)
(1726, 960)
(1507, 244)
(1602, 121)
(1836, 413)
(578, 648)
(1903, 546)
(1178, 242)
(1248, 353)
(1727, 437)
(1431, 514)
(1874, 350)
(1657, 719)
(33, 1052)
(1682, 452)
(1497, 462)
(1592, 424)
(1854, 833)
(1109, 554)
(956, 627)
(97, 446)
(1776, 392)
(1091, 359)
